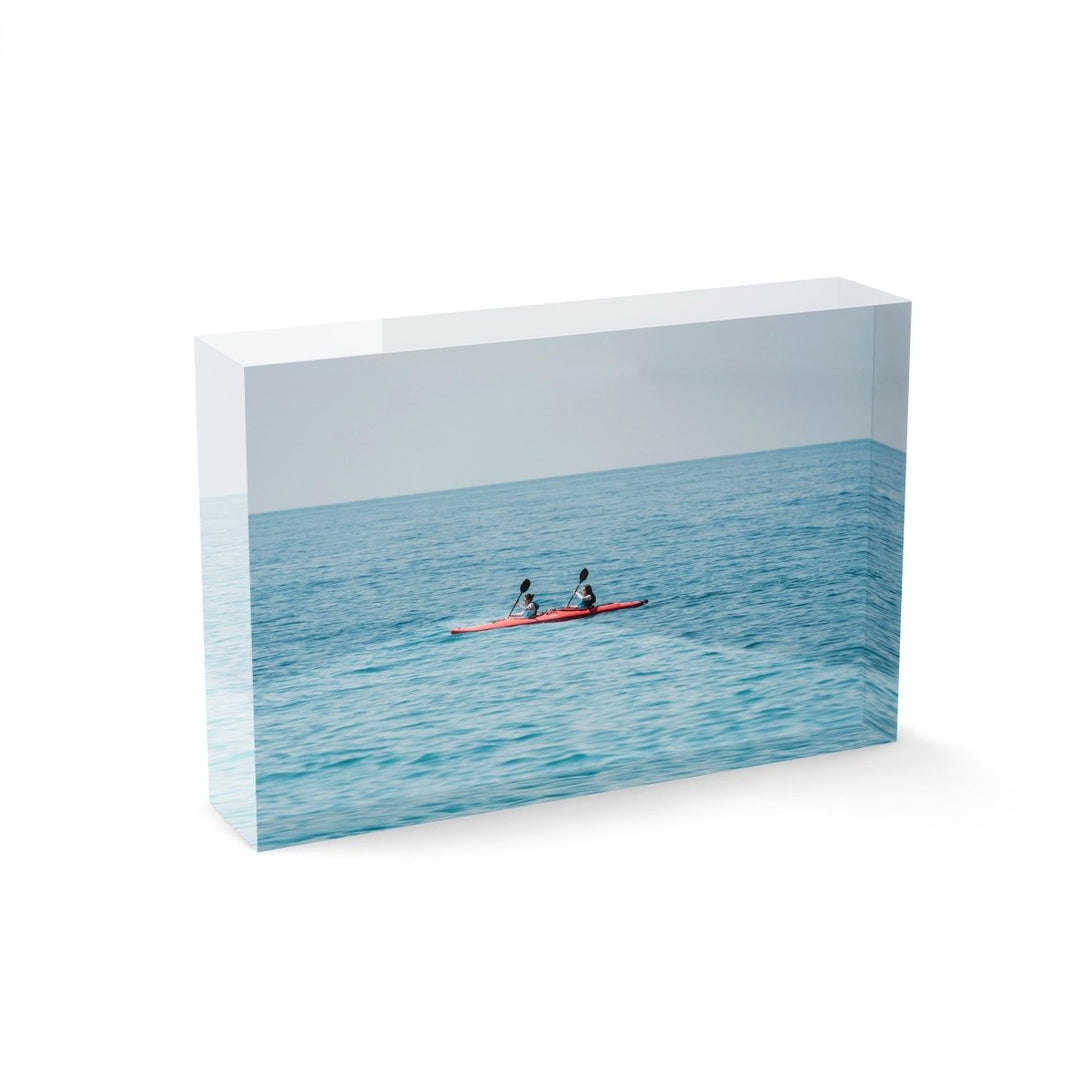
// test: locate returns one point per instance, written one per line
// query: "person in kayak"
(530, 609)
(585, 596)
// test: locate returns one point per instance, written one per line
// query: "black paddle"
(581, 578)
(524, 585)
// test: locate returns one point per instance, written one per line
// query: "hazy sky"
(338, 430)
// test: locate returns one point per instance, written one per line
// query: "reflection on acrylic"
(227, 633)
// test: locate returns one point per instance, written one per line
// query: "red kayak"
(556, 615)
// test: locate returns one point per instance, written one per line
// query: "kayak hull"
(557, 615)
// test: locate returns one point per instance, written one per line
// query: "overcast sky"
(329, 431)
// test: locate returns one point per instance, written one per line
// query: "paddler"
(530, 609)
(585, 596)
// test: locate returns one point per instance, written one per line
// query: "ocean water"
(772, 632)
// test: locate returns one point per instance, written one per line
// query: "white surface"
(906, 911)
(255, 348)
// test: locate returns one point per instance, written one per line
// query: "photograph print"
(458, 579)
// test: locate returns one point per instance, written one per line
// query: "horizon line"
(556, 476)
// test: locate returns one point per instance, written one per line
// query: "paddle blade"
(584, 574)
(525, 586)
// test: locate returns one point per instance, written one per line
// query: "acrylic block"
(428, 544)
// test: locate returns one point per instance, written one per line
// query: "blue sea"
(771, 632)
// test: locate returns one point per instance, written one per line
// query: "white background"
(179, 169)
